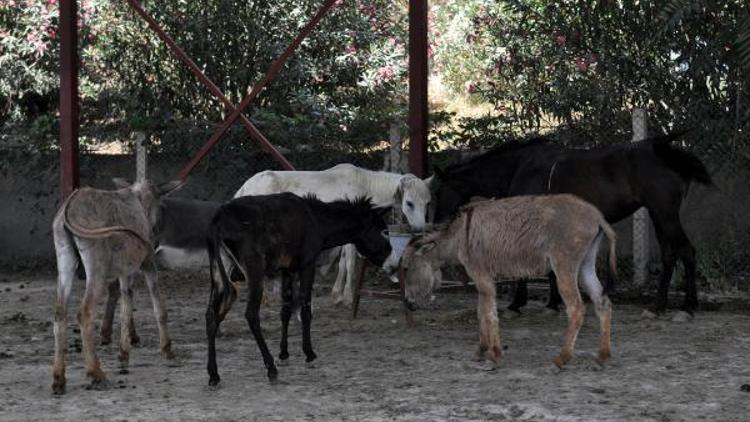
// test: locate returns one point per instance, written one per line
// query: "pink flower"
(386, 73)
(582, 64)
(350, 49)
(561, 40)
(470, 87)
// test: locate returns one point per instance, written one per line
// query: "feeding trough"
(399, 236)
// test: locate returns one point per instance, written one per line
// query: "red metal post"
(418, 124)
(69, 178)
(180, 53)
(272, 72)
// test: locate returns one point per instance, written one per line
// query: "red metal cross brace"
(236, 112)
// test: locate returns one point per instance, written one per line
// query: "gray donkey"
(110, 232)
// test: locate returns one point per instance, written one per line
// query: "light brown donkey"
(110, 232)
(517, 237)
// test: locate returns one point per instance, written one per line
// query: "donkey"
(617, 179)
(266, 235)
(522, 236)
(110, 232)
(405, 191)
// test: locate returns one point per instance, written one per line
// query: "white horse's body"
(348, 181)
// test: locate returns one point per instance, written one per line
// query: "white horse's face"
(415, 201)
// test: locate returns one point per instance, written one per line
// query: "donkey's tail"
(609, 283)
(97, 233)
(686, 164)
(226, 289)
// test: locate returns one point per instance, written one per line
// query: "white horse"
(410, 193)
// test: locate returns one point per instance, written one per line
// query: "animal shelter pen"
(69, 122)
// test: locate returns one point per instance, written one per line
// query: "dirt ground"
(376, 368)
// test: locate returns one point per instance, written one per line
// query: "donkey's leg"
(213, 319)
(554, 300)
(160, 310)
(66, 268)
(134, 339)
(113, 295)
(287, 308)
(520, 296)
(126, 320)
(567, 284)
(352, 264)
(252, 315)
(489, 326)
(94, 284)
(306, 279)
(686, 252)
(602, 304)
(664, 235)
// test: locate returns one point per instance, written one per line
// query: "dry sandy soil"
(376, 368)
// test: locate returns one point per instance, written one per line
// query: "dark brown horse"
(617, 179)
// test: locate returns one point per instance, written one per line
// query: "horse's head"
(415, 198)
(449, 192)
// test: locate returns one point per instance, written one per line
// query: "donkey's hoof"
(214, 381)
(58, 389)
(601, 359)
(135, 340)
(311, 356)
(682, 316)
(168, 353)
(561, 359)
(106, 340)
(99, 385)
(273, 375)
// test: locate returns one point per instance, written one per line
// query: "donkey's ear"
(167, 188)
(426, 247)
(121, 182)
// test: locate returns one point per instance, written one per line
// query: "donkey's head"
(368, 233)
(420, 269)
(149, 195)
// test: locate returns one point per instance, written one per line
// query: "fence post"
(641, 219)
(140, 156)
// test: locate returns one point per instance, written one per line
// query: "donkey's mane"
(359, 204)
(504, 148)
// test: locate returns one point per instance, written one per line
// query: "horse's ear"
(429, 181)
(121, 182)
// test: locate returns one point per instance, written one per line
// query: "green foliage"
(584, 65)
(343, 83)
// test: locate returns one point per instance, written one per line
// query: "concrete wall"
(29, 197)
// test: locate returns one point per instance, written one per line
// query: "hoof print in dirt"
(647, 314)
(101, 385)
(510, 314)
(123, 371)
(745, 388)
(682, 316)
